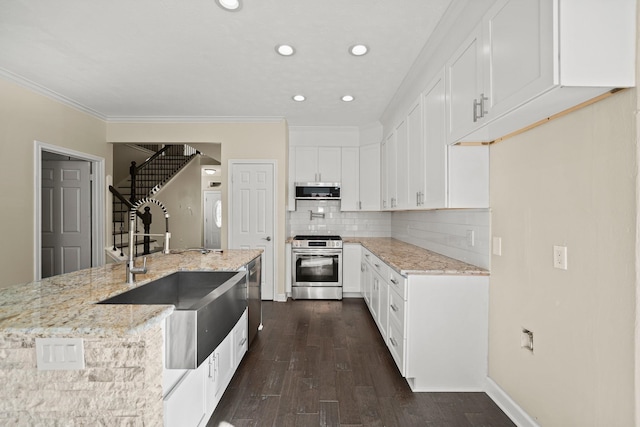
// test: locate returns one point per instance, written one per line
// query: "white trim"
(194, 119)
(276, 235)
(37, 88)
(508, 405)
(98, 203)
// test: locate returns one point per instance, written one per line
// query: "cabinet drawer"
(396, 344)
(398, 283)
(379, 266)
(396, 309)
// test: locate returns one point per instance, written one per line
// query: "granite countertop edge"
(65, 305)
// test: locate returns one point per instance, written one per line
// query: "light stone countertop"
(410, 259)
(65, 305)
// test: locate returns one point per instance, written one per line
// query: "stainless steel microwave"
(317, 190)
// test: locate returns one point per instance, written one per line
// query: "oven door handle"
(319, 252)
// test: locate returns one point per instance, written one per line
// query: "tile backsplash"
(345, 224)
(446, 231)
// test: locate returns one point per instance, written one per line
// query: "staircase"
(144, 181)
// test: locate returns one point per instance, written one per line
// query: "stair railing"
(146, 218)
(158, 169)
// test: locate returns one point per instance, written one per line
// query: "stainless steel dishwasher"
(254, 302)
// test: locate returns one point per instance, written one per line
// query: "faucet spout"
(132, 270)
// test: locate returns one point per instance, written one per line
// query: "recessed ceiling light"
(299, 98)
(347, 98)
(358, 50)
(285, 50)
(232, 5)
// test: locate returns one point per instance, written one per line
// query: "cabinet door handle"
(393, 307)
(394, 281)
(479, 104)
(244, 340)
(482, 110)
(393, 342)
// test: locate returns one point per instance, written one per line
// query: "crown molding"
(41, 90)
(195, 119)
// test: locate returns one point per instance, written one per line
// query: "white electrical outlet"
(471, 238)
(560, 257)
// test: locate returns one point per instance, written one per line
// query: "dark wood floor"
(324, 363)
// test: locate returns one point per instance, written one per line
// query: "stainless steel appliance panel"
(254, 281)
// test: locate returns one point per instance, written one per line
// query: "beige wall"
(182, 197)
(25, 117)
(267, 141)
(570, 182)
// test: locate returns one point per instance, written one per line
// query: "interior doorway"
(252, 214)
(69, 210)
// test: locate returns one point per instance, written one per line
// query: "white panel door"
(252, 217)
(66, 216)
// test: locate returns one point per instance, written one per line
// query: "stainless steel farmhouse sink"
(208, 305)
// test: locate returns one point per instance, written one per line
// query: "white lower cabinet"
(184, 405)
(435, 326)
(219, 366)
(191, 395)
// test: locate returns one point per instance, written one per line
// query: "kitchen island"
(122, 379)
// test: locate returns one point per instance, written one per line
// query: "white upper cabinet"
(531, 59)
(349, 190)
(416, 154)
(402, 171)
(518, 36)
(465, 88)
(434, 194)
(317, 164)
(369, 177)
(389, 168)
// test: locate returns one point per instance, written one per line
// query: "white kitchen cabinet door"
(329, 164)
(306, 164)
(518, 38)
(402, 170)
(184, 405)
(383, 306)
(464, 88)
(390, 200)
(416, 156)
(240, 339)
(351, 257)
(370, 177)
(435, 149)
(384, 173)
(366, 277)
(219, 370)
(349, 187)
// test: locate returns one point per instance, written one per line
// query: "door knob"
(268, 238)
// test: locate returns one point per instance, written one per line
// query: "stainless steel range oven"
(316, 267)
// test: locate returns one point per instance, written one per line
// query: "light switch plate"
(59, 354)
(497, 246)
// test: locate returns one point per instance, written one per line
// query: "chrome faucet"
(132, 270)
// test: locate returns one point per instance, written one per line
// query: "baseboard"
(508, 405)
(280, 298)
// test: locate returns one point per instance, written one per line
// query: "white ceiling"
(189, 59)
